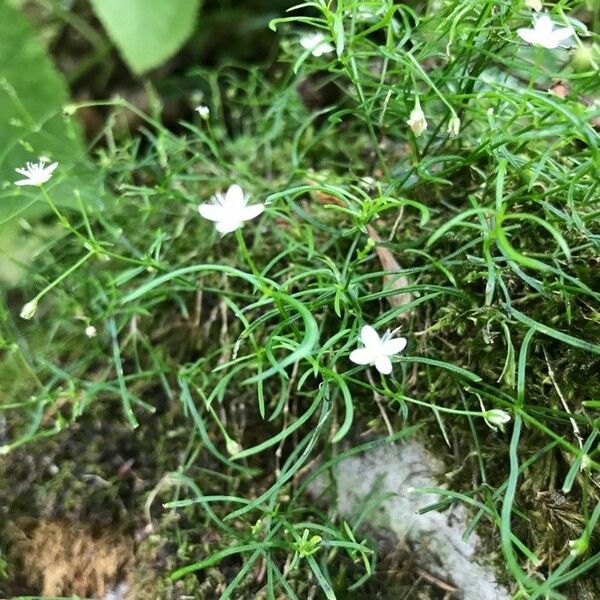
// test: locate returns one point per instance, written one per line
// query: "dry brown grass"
(57, 558)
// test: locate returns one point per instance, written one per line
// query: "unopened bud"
(454, 126)
(29, 310)
(417, 121)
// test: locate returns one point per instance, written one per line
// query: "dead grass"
(57, 558)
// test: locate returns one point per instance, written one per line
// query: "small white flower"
(454, 126)
(229, 211)
(203, 111)
(316, 43)
(543, 33)
(377, 350)
(36, 173)
(417, 121)
(90, 331)
(29, 310)
(496, 418)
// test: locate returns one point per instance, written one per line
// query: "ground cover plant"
(389, 229)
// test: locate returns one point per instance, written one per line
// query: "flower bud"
(496, 417)
(232, 446)
(203, 111)
(417, 121)
(584, 59)
(534, 5)
(90, 331)
(454, 126)
(29, 310)
(578, 547)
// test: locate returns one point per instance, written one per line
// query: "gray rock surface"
(435, 537)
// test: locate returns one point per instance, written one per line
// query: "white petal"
(369, 337)
(50, 168)
(251, 211)
(544, 25)
(228, 226)
(361, 356)
(235, 197)
(549, 43)
(529, 35)
(325, 48)
(212, 212)
(24, 182)
(394, 346)
(383, 364)
(560, 35)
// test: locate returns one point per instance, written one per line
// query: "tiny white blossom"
(543, 33)
(36, 173)
(230, 210)
(496, 418)
(377, 350)
(90, 331)
(203, 111)
(29, 310)
(417, 121)
(315, 42)
(454, 126)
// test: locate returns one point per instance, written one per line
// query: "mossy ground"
(188, 390)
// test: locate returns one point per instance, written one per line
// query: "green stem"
(64, 275)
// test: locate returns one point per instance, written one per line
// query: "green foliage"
(33, 96)
(243, 340)
(147, 32)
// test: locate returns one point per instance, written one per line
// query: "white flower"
(203, 111)
(36, 173)
(543, 33)
(453, 126)
(90, 331)
(377, 350)
(29, 310)
(417, 121)
(496, 417)
(316, 43)
(229, 211)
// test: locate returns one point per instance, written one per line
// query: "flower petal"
(212, 212)
(369, 337)
(228, 225)
(383, 364)
(560, 35)
(251, 211)
(51, 168)
(361, 356)
(24, 182)
(543, 26)
(394, 346)
(235, 197)
(529, 35)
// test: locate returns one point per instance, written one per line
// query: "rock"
(434, 537)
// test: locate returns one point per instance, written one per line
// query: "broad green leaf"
(32, 124)
(147, 32)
